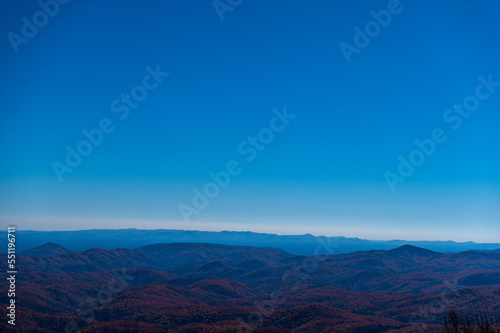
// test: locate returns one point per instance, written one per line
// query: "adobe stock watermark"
(291, 280)
(104, 296)
(433, 312)
(11, 275)
(249, 149)
(30, 28)
(363, 37)
(426, 147)
(95, 136)
(223, 6)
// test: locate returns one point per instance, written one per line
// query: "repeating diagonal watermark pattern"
(249, 149)
(122, 107)
(435, 310)
(91, 305)
(363, 37)
(31, 27)
(428, 146)
(291, 280)
(223, 6)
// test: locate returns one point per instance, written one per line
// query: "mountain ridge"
(200, 286)
(46, 250)
(295, 244)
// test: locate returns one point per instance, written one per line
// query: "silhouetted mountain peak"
(412, 251)
(46, 250)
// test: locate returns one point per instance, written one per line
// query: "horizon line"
(3, 218)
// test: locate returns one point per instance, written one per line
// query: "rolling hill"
(296, 244)
(201, 287)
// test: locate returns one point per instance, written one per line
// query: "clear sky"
(358, 93)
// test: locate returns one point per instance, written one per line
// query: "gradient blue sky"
(323, 174)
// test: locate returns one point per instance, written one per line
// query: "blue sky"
(324, 173)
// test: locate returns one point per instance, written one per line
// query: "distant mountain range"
(295, 244)
(390, 270)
